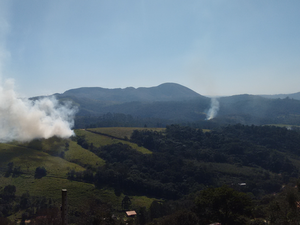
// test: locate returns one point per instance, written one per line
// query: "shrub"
(40, 172)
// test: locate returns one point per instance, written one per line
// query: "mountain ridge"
(163, 92)
(173, 102)
(281, 96)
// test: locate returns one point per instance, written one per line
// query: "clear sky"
(214, 47)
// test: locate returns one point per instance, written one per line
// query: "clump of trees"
(32, 206)
(11, 170)
(40, 172)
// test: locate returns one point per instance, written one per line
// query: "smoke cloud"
(25, 120)
(22, 119)
(214, 108)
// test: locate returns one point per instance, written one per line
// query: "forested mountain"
(163, 92)
(173, 103)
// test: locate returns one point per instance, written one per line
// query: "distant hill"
(167, 101)
(254, 109)
(163, 92)
(175, 103)
(281, 96)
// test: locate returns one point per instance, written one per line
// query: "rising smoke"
(22, 119)
(25, 120)
(214, 108)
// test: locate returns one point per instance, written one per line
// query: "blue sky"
(214, 47)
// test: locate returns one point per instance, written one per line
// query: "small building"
(131, 213)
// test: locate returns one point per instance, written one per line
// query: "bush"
(40, 172)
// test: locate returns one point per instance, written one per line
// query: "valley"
(149, 165)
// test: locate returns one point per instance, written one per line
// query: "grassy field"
(29, 156)
(49, 186)
(101, 140)
(82, 156)
(122, 132)
(230, 169)
(29, 159)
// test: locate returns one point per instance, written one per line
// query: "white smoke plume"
(24, 120)
(214, 108)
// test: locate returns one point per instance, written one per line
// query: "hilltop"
(163, 92)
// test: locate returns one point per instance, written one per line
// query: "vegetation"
(236, 174)
(89, 139)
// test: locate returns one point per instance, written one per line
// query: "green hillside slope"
(26, 157)
(99, 140)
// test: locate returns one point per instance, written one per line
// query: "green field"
(122, 132)
(44, 153)
(101, 140)
(28, 159)
(79, 155)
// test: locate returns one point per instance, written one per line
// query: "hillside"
(59, 157)
(103, 165)
(230, 155)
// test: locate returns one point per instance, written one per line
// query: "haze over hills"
(174, 102)
(293, 96)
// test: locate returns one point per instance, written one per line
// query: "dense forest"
(127, 120)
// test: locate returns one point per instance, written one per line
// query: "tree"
(67, 146)
(25, 200)
(40, 172)
(284, 207)
(9, 192)
(126, 202)
(9, 169)
(183, 217)
(5, 221)
(224, 205)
